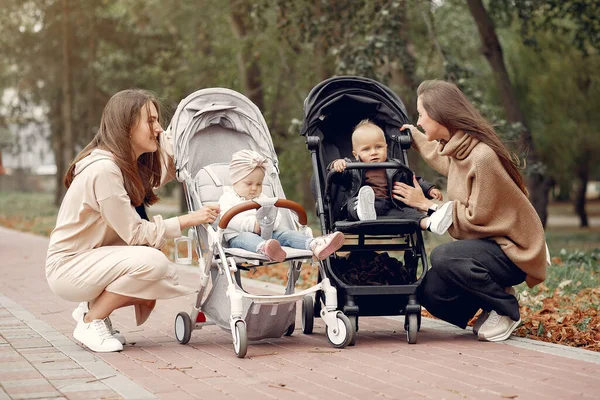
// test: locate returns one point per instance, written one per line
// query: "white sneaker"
(441, 219)
(96, 336)
(365, 206)
(497, 327)
(485, 314)
(480, 321)
(115, 333)
(83, 308)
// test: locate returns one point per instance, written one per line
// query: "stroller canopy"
(211, 124)
(344, 101)
(335, 106)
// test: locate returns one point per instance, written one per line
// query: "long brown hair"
(121, 114)
(446, 104)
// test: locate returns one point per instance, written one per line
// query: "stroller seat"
(381, 226)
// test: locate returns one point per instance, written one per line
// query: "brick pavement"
(39, 358)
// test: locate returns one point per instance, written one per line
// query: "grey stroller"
(208, 127)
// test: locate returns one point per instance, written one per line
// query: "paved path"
(39, 358)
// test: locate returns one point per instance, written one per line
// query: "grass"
(28, 212)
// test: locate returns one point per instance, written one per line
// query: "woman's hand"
(411, 196)
(206, 215)
(436, 194)
(413, 129)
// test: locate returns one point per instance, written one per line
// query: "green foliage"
(560, 92)
(583, 324)
(173, 48)
(578, 19)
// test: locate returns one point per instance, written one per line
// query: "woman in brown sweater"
(101, 252)
(501, 241)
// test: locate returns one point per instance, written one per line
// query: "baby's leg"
(252, 242)
(351, 208)
(246, 240)
(293, 239)
(408, 213)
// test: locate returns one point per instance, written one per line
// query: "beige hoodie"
(97, 211)
(486, 201)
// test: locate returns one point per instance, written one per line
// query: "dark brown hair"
(121, 114)
(446, 104)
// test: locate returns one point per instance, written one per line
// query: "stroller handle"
(249, 205)
(364, 165)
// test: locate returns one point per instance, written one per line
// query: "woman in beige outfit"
(101, 252)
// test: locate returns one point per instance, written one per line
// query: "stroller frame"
(215, 263)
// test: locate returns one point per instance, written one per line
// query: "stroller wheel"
(240, 339)
(341, 335)
(354, 322)
(290, 329)
(308, 315)
(413, 328)
(183, 327)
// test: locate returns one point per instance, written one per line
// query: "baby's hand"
(436, 194)
(339, 165)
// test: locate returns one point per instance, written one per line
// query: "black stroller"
(331, 111)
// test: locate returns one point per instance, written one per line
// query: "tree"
(578, 20)
(538, 184)
(561, 91)
(250, 73)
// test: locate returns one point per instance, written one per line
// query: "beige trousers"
(134, 271)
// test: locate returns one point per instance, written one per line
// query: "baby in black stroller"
(355, 198)
(371, 189)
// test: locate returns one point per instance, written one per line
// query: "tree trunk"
(57, 138)
(67, 145)
(583, 175)
(404, 81)
(247, 61)
(324, 68)
(537, 183)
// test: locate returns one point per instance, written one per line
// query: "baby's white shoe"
(365, 206)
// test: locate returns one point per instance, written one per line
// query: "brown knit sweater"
(487, 202)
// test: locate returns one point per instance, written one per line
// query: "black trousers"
(385, 208)
(467, 275)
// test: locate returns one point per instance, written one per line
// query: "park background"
(530, 66)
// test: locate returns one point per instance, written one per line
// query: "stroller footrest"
(290, 254)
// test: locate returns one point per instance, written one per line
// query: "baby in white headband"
(247, 172)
